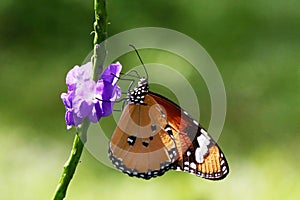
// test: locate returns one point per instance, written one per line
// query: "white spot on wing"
(204, 132)
(193, 165)
(202, 149)
(195, 122)
(224, 169)
(202, 140)
(222, 162)
(129, 140)
(188, 153)
(199, 156)
(168, 129)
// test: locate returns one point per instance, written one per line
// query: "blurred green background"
(255, 44)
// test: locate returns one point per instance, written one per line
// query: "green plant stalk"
(100, 24)
(71, 164)
(100, 34)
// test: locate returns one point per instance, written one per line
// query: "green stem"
(69, 169)
(100, 24)
(72, 162)
(100, 31)
(70, 166)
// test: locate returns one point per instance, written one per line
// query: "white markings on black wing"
(195, 155)
(169, 131)
(193, 166)
(201, 142)
(197, 152)
(188, 153)
(202, 147)
(223, 164)
(195, 122)
(137, 95)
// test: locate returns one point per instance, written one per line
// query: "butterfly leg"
(122, 108)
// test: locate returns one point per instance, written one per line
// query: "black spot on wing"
(145, 144)
(131, 140)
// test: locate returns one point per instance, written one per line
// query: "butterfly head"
(137, 95)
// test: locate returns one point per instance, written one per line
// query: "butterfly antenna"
(137, 53)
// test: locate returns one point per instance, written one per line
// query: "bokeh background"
(255, 45)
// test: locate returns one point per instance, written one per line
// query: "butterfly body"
(155, 135)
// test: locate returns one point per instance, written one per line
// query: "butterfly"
(155, 135)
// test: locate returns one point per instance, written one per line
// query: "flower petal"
(79, 74)
(84, 109)
(96, 113)
(112, 69)
(69, 119)
(86, 98)
(107, 108)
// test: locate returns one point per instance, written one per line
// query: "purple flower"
(87, 98)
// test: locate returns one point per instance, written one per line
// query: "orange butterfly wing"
(140, 146)
(198, 152)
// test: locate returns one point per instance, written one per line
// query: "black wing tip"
(213, 176)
